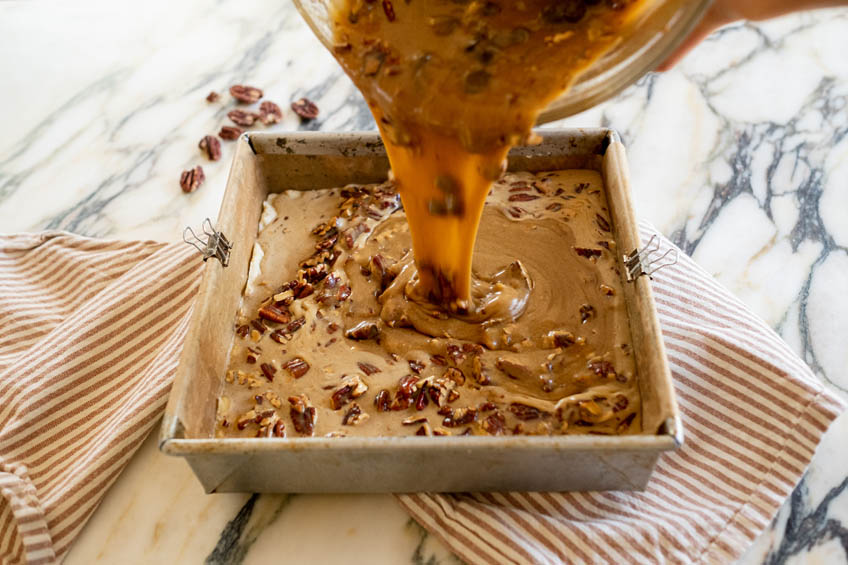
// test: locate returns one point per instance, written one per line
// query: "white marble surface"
(740, 154)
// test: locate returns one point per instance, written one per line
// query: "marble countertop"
(740, 155)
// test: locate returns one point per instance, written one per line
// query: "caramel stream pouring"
(453, 84)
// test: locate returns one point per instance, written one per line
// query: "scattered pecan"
(191, 179)
(269, 371)
(608, 290)
(279, 429)
(270, 113)
(620, 403)
(416, 366)
(274, 313)
(424, 430)
(296, 367)
(242, 118)
(302, 414)
(602, 223)
(455, 375)
(367, 368)
(561, 338)
(242, 330)
(421, 400)
(212, 96)
(305, 108)
(245, 94)
(554, 207)
(438, 360)
(230, 132)
(211, 147)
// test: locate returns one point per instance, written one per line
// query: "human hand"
(723, 12)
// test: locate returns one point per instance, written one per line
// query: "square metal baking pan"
(266, 163)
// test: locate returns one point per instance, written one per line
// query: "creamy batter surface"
(333, 339)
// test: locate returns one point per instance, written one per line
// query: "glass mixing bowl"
(660, 28)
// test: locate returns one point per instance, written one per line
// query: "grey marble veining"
(740, 155)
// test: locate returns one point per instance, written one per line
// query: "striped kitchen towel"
(91, 336)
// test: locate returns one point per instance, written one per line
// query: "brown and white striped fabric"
(91, 332)
(753, 414)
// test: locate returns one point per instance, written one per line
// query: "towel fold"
(92, 331)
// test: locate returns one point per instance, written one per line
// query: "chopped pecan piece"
(602, 368)
(212, 96)
(525, 412)
(625, 423)
(494, 424)
(367, 368)
(363, 330)
(460, 417)
(270, 113)
(230, 132)
(478, 371)
(588, 253)
(412, 420)
(274, 313)
(296, 367)
(522, 197)
(245, 94)
(416, 366)
(389, 10)
(269, 371)
(424, 430)
(302, 414)
(620, 403)
(455, 375)
(608, 290)
(191, 179)
(352, 387)
(439, 360)
(279, 429)
(383, 401)
(513, 369)
(305, 108)
(587, 311)
(602, 223)
(354, 416)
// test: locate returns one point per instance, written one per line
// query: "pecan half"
(269, 371)
(245, 94)
(211, 147)
(230, 133)
(191, 179)
(302, 414)
(367, 368)
(296, 367)
(242, 118)
(305, 108)
(270, 113)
